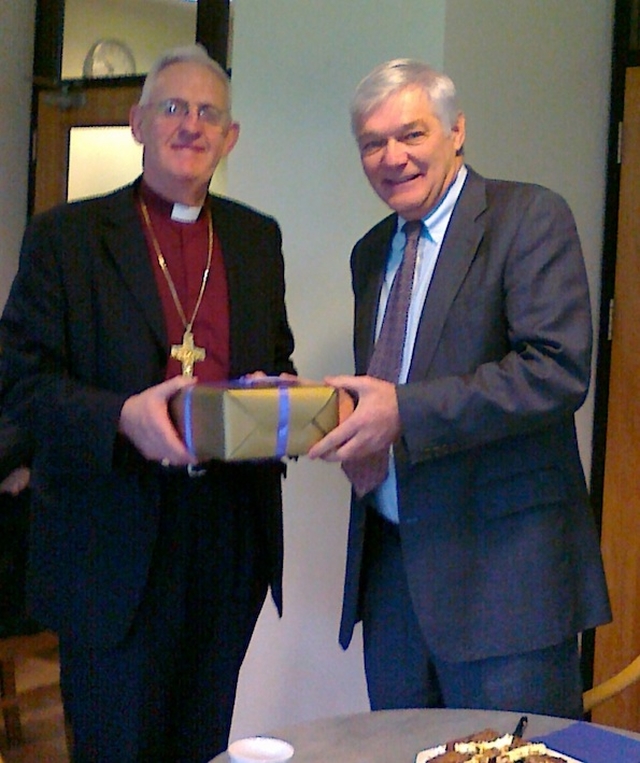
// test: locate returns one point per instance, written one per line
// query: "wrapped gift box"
(264, 418)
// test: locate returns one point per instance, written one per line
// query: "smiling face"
(182, 150)
(407, 155)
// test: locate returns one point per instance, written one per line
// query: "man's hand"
(374, 425)
(16, 481)
(145, 420)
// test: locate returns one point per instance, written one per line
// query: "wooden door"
(57, 114)
(618, 643)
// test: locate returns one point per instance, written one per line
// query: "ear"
(136, 114)
(458, 132)
(231, 138)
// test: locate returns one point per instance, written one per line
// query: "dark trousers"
(167, 692)
(402, 672)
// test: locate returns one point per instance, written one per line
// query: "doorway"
(58, 113)
(619, 643)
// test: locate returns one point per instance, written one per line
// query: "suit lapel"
(124, 241)
(463, 236)
(231, 242)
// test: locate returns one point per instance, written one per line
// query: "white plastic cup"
(260, 750)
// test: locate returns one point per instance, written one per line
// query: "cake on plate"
(488, 746)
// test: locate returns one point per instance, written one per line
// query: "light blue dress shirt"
(434, 227)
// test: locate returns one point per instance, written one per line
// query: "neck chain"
(186, 353)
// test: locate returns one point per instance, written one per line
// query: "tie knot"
(412, 229)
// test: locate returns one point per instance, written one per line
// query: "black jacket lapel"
(124, 241)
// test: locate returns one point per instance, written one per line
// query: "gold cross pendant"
(187, 353)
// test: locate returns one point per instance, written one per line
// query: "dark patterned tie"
(386, 361)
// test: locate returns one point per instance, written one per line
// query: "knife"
(521, 726)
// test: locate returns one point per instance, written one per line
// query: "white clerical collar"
(184, 213)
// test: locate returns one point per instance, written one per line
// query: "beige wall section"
(295, 65)
(16, 55)
(533, 75)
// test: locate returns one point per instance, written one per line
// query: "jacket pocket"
(521, 491)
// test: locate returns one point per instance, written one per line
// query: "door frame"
(54, 114)
(622, 57)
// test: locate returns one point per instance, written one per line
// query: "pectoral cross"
(187, 353)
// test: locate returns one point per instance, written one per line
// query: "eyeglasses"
(177, 109)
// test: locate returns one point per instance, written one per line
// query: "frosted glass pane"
(100, 160)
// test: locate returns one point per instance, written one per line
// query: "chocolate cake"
(488, 746)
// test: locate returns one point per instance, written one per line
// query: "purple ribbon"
(284, 413)
(188, 421)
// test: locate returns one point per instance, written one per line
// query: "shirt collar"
(437, 219)
(177, 212)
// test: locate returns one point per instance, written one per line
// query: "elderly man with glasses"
(152, 571)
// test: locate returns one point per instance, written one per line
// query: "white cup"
(260, 750)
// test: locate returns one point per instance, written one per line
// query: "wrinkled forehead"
(190, 81)
(402, 107)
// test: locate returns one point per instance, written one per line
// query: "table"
(396, 736)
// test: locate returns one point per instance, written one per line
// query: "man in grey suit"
(473, 556)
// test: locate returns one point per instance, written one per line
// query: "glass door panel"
(100, 160)
(111, 38)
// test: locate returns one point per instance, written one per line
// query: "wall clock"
(109, 58)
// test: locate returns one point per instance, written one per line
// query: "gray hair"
(392, 76)
(196, 54)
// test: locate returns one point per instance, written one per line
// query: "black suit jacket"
(499, 542)
(15, 448)
(82, 330)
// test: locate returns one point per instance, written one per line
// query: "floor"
(41, 716)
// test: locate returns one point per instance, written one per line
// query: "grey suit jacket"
(499, 542)
(83, 329)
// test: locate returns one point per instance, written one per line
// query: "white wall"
(533, 77)
(294, 67)
(16, 46)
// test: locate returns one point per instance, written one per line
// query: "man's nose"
(191, 119)
(395, 152)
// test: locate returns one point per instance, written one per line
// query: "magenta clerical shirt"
(184, 246)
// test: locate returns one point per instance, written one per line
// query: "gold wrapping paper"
(268, 419)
